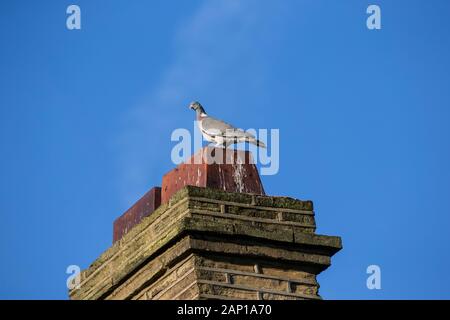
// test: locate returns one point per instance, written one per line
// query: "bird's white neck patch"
(202, 115)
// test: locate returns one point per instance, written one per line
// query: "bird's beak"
(191, 107)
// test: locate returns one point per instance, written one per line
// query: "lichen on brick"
(257, 227)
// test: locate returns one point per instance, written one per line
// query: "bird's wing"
(215, 127)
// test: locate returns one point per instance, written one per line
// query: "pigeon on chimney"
(219, 132)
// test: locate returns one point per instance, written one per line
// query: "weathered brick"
(250, 252)
(259, 282)
(229, 292)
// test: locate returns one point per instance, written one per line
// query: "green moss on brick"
(218, 194)
(194, 204)
(298, 217)
(252, 212)
(245, 198)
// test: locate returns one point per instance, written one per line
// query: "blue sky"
(86, 117)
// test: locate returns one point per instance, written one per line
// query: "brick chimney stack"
(210, 232)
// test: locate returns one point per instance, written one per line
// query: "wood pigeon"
(222, 133)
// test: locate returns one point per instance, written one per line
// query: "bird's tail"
(257, 142)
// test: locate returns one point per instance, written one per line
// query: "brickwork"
(210, 244)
